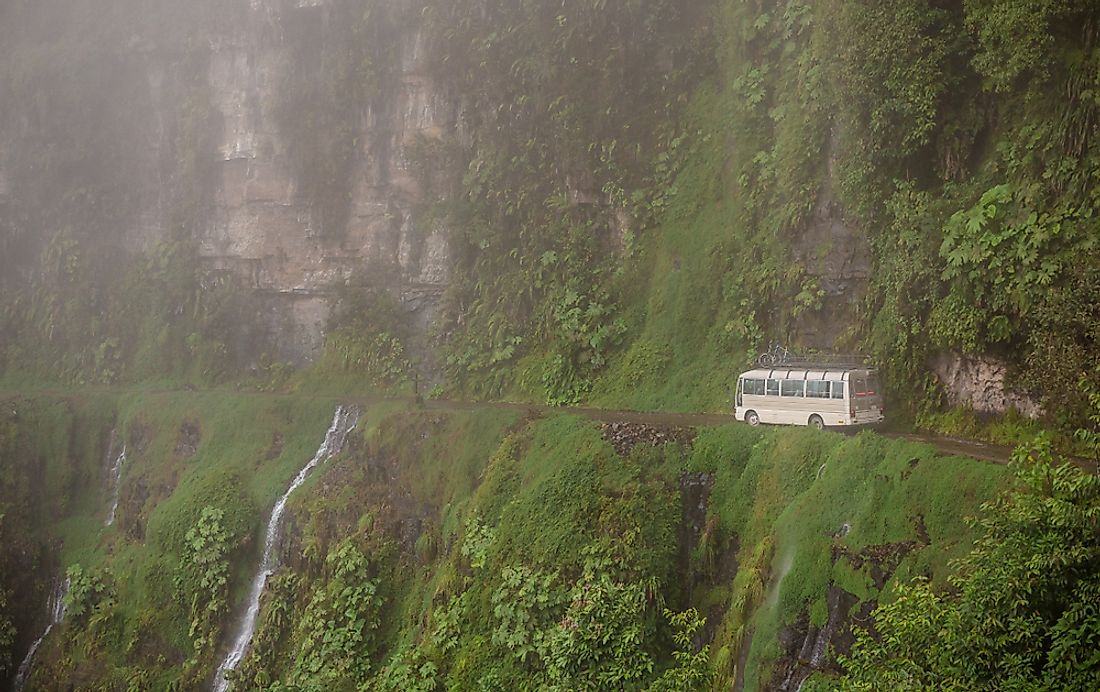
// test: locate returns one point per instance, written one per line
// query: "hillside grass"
(550, 490)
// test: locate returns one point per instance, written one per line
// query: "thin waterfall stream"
(116, 479)
(56, 602)
(57, 615)
(343, 422)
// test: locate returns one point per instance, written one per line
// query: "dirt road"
(998, 454)
(947, 445)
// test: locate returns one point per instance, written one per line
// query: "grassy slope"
(805, 487)
(163, 492)
(551, 487)
(682, 356)
(548, 488)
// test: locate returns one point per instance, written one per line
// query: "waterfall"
(342, 423)
(56, 602)
(116, 478)
(57, 614)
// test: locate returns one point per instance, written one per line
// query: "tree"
(1024, 611)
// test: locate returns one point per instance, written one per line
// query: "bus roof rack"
(779, 356)
(819, 360)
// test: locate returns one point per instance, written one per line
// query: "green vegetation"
(335, 632)
(568, 143)
(86, 591)
(1021, 613)
(696, 216)
(480, 549)
(205, 577)
(149, 594)
(366, 336)
(556, 562)
(640, 194)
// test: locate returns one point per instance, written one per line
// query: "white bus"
(807, 396)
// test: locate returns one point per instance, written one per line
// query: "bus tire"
(752, 418)
(816, 422)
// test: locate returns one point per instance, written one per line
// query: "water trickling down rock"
(343, 422)
(115, 475)
(57, 615)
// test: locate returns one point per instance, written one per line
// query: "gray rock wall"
(263, 229)
(177, 100)
(980, 383)
(835, 251)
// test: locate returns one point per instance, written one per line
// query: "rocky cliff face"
(263, 229)
(835, 251)
(179, 120)
(981, 384)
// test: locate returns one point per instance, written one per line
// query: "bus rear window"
(872, 385)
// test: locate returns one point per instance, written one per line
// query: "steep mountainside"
(609, 200)
(221, 221)
(287, 120)
(470, 550)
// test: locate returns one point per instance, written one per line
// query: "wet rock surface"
(808, 648)
(265, 229)
(131, 519)
(276, 446)
(981, 384)
(624, 436)
(188, 439)
(882, 559)
(137, 441)
(366, 477)
(694, 499)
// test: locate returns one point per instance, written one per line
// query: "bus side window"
(793, 387)
(754, 387)
(773, 388)
(837, 388)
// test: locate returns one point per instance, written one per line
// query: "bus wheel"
(816, 422)
(751, 418)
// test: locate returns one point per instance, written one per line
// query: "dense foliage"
(987, 209)
(475, 549)
(640, 193)
(204, 579)
(366, 335)
(1022, 612)
(571, 139)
